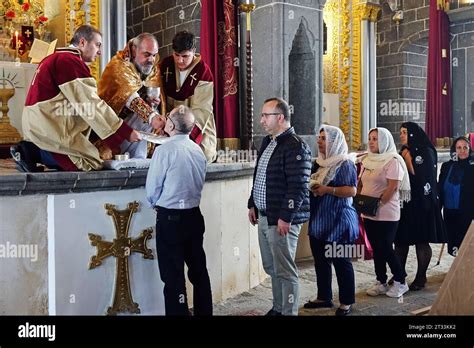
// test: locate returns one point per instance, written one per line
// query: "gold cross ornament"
(193, 76)
(121, 248)
(167, 72)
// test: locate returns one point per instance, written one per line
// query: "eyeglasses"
(462, 147)
(167, 116)
(266, 114)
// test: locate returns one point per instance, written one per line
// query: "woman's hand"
(319, 190)
(392, 187)
(408, 160)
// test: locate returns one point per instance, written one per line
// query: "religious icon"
(27, 32)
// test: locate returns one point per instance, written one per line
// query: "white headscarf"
(336, 154)
(387, 152)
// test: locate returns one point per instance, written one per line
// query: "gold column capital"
(331, 7)
(79, 12)
(443, 5)
(368, 11)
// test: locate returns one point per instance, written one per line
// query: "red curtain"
(438, 93)
(219, 51)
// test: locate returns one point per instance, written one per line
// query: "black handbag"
(366, 205)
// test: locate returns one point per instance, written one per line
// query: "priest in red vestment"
(63, 107)
(188, 81)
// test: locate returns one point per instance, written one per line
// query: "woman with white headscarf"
(333, 221)
(385, 176)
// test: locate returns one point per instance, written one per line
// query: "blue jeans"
(278, 258)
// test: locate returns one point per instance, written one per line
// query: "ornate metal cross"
(121, 248)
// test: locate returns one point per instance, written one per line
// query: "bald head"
(183, 118)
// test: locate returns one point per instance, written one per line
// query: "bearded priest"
(131, 85)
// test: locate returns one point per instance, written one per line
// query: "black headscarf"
(417, 140)
(457, 170)
(424, 160)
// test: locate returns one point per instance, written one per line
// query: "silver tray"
(153, 138)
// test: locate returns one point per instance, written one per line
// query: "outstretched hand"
(134, 136)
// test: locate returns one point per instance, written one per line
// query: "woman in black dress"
(456, 189)
(421, 221)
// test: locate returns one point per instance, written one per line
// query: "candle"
(16, 44)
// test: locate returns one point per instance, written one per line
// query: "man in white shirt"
(173, 188)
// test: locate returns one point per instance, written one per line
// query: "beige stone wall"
(230, 243)
(23, 281)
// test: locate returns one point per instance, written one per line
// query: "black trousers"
(344, 273)
(179, 240)
(381, 236)
(457, 225)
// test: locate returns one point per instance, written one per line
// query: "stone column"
(277, 29)
(462, 53)
(368, 16)
(114, 29)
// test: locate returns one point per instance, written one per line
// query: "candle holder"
(248, 6)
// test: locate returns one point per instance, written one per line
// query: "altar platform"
(44, 234)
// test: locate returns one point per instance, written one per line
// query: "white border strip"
(105, 29)
(51, 257)
(121, 25)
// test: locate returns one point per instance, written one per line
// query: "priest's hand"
(154, 101)
(158, 122)
(105, 152)
(134, 136)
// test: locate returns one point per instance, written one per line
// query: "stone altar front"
(46, 222)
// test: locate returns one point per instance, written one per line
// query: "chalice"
(8, 134)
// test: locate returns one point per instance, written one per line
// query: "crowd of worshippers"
(72, 123)
(394, 198)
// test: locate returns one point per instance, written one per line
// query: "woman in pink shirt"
(385, 175)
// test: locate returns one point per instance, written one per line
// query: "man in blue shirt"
(173, 188)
